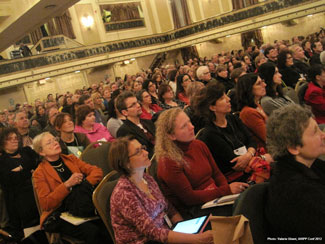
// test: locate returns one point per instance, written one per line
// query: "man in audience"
(299, 59)
(212, 69)
(51, 115)
(271, 54)
(86, 99)
(26, 132)
(143, 130)
(317, 48)
(3, 120)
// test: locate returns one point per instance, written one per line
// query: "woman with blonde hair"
(187, 171)
(98, 102)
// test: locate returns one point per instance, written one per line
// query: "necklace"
(146, 191)
(59, 167)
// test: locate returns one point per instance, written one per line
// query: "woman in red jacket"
(55, 178)
(188, 173)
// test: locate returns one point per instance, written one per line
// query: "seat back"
(291, 93)
(3, 211)
(101, 198)
(97, 155)
(301, 90)
(251, 204)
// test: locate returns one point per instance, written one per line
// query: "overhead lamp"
(126, 61)
(87, 21)
(77, 71)
(132, 59)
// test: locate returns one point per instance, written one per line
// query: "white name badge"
(240, 151)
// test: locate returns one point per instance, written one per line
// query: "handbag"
(52, 223)
(79, 202)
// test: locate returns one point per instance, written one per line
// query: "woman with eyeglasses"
(54, 179)
(139, 211)
(182, 83)
(16, 168)
(148, 108)
(250, 89)
(274, 97)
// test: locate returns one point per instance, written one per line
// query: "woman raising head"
(186, 168)
(86, 124)
(138, 207)
(70, 142)
(274, 98)
(250, 89)
(148, 108)
(182, 83)
(16, 167)
(231, 144)
(55, 178)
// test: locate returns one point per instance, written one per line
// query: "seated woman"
(229, 141)
(55, 178)
(182, 82)
(188, 173)
(249, 91)
(70, 142)
(16, 168)
(86, 124)
(151, 88)
(136, 86)
(116, 119)
(138, 208)
(315, 93)
(296, 195)
(148, 108)
(274, 98)
(290, 74)
(166, 97)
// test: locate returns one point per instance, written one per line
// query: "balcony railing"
(212, 23)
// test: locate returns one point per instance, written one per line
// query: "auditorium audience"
(138, 208)
(296, 193)
(274, 97)
(187, 171)
(290, 74)
(85, 123)
(16, 168)
(151, 88)
(52, 112)
(222, 77)
(249, 91)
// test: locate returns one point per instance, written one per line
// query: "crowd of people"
(210, 125)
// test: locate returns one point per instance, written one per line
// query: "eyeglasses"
(138, 151)
(133, 105)
(51, 142)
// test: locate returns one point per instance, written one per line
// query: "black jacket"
(295, 204)
(129, 128)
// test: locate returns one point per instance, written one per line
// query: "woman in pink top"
(138, 208)
(86, 124)
(250, 89)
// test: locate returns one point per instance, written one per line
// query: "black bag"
(79, 202)
(53, 221)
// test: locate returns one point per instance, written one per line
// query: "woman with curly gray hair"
(295, 205)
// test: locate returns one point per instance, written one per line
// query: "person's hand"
(268, 158)
(17, 169)
(241, 161)
(205, 237)
(238, 187)
(35, 123)
(75, 178)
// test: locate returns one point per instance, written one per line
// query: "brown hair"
(59, 120)
(118, 155)
(82, 112)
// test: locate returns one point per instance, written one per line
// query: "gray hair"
(322, 57)
(201, 70)
(37, 141)
(285, 128)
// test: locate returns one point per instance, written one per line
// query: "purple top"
(136, 218)
(99, 133)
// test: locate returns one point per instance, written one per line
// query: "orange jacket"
(50, 189)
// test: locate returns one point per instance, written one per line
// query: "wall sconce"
(87, 21)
